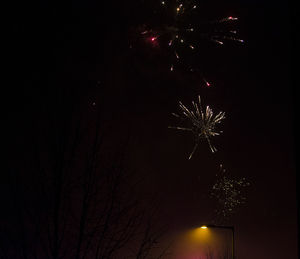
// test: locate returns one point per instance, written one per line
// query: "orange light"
(204, 227)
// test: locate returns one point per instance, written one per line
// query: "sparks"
(232, 18)
(179, 8)
(227, 19)
(172, 33)
(218, 41)
(202, 125)
(228, 192)
(207, 83)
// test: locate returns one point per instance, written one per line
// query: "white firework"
(202, 124)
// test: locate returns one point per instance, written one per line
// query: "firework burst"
(202, 124)
(228, 192)
(179, 32)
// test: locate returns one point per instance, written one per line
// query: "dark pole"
(232, 229)
(233, 255)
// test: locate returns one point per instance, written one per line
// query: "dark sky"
(81, 49)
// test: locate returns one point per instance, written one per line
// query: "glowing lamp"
(204, 227)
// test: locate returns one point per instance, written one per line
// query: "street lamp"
(226, 227)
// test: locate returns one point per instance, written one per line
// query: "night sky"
(74, 60)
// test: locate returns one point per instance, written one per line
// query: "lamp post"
(226, 227)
